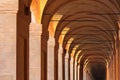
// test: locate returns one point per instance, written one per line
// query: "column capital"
(35, 29)
(60, 50)
(8, 5)
(60, 46)
(75, 63)
(50, 58)
(72, 60)
(79, 66)
(51, 41)
(67, 55)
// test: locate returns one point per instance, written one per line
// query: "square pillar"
(107, 73)
(50, 59)
(119, 60)
(67, 66)
(35, 51)
(71, 68)
(78, 72)
(114, 68)
(8, 22)
(84, 75)
(60, 64)
(111, 70)
(75, 71)
(119, 55)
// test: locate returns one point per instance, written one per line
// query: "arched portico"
(59, 40)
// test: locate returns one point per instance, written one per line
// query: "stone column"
(84, 75)
(117, 67)
(8, 22)
(107, 73)
(87, 76)
(117, 56)
(60, 66)
(78, 72)
(119, 59)
(35, 51)
(118, 43)
(118, 47)
(75, 70)
(111, 70)
(66, 66)
(71, 68)
(50, 58)
(114, 68)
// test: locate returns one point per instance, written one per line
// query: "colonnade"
(71, 66)
(24, 56)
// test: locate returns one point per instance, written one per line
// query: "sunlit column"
(66, 66)
(84, 75)
(114, 68)
(111, 70)
(119, 55)
(107, 73)
(35, 51)
(60, 67)
(8, 44)
(117, 66)
(118, 43)
(50, 58)
(71, 68)
(75, 71)
(78, 72)
(117, 62)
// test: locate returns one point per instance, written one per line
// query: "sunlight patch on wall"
(77, 55)
(106, 61)
(86, 63)
(37, 7)
(69, 43)
(74, 50)
(79, 58)
(63, 33)
(53, 24)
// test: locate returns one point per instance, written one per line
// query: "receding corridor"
(59, 40)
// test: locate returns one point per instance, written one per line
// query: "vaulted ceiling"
(93, 25)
